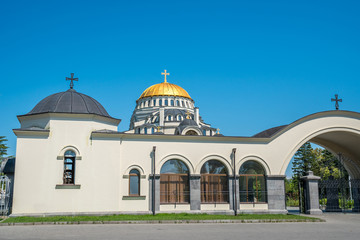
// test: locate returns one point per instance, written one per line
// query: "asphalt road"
(338, 226)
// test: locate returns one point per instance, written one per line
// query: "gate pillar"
(311, 193)
(276, 193)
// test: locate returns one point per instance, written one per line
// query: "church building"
(71, 158)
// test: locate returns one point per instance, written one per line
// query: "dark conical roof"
(69, 102)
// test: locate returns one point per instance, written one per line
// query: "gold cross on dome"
(188, 115)
(158, 128)
(165, 73)
(218, 131)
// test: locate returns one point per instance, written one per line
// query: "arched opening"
(134, 183)
(69, 167)
(334, 157)
(174, 182)
(252, 184)
(214, 182)
(191, 132)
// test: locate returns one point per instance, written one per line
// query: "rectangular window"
(69, 170)
(134, 185)
(174, 188)
(214, 188)
(252, 189)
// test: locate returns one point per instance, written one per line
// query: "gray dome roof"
(69, 102)
(188, 122)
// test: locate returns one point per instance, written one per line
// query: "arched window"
(154, 102)
(178, 117)
(166, 102)
(152, 130)
(177, 103)
(204, 132)
(160, 102)
(145, 130)
(134, 183)
(69, 167)
(171, 102)
(191, 132)
(214, 183)
(252, 183)
(174, 182)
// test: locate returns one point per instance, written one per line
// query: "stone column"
(156, 192)
(355, 190)
(311, 193)
(195, 188)
(276, 194)
(231, 193)
(161, 116)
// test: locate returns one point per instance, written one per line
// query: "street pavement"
(337, 226)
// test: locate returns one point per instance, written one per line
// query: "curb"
(168, 222)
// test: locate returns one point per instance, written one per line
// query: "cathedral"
(71, 158)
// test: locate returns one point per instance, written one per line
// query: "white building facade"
(71, 158)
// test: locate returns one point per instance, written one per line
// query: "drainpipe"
(153, 182)
(234, 184)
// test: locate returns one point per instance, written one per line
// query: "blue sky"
(249, 65)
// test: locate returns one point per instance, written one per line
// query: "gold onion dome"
(165, 89)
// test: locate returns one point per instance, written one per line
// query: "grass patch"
(158, 217)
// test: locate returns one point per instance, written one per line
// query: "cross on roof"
(158, 128)
(188, 115)
(71, 79)
(336, 100)
(165, 73)
(218, 131)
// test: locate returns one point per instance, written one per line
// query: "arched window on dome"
(166, 102)
(252, 184)
(134, 183)
(177, 103)
(69, 167)
(174, 182)
(160, 102)
(191, 132)
(155, 119)
(204, 132)
(171, 102)
(145, 130)
(178, 118)
(214, 182)
(154, 102)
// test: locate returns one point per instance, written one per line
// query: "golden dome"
(165, 89)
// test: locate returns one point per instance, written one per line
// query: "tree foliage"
(3, 147)
(322, 162)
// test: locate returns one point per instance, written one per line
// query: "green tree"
(304, 160)
(3, 147)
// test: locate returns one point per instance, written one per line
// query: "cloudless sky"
(249, 65)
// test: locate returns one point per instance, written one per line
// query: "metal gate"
(4, 195)
(340, 194)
